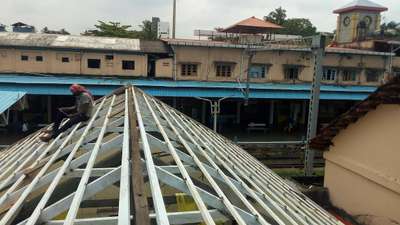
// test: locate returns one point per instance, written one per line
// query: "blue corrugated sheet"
(264, 94)
(9, 98)
(58, 85)
(29, 79)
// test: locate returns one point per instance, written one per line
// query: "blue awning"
(9, 98)
(58, 85)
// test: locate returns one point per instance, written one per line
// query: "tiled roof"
(362, 5)
(252, 23)
(388, 93)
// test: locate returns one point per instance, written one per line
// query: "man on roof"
(80, 112)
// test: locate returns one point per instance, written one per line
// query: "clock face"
(346, 21)
(368, 20)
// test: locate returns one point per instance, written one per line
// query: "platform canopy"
(252, 25)
(139, 159)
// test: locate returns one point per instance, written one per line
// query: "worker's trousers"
(68, 124)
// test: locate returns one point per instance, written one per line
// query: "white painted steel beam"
(124, 207)
(161, 212)
(192, 188)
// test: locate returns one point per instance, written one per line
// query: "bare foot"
(45, 138)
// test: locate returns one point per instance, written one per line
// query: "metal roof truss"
(132, 157)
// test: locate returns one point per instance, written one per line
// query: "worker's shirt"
(84, 104)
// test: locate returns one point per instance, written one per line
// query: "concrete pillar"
(271, 113)
(296, 111)
(304, 112)
(238, 105)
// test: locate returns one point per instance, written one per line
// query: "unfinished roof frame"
(225, 182)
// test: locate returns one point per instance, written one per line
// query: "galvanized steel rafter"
(178, 155)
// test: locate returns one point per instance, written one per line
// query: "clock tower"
(357, 20)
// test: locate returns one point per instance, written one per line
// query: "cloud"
(79, 15)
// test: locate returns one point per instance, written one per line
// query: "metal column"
(318, 48)
(203, 112)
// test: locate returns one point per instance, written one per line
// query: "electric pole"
(215, 106)
(318, 49)
(174, 19)
(250, 54)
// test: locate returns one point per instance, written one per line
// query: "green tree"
(116, 29)
(299, 26)
(390, 30)
(147, 32)
(392, 25)
(294, 26)
(278, 16)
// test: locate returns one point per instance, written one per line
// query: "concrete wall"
(204, 57)
(7, 60)
(114, 67)
(278, 59)
(164, 67)
(362, 170)
(348, 33)
(52, 62)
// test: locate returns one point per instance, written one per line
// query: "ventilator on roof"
(139, 159)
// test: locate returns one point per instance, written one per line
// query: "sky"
(78, 15)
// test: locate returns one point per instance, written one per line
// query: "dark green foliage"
(278, 16)
(116, 29)
(299, 26)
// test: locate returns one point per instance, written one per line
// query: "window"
(39, 58)
(224, 70)
(24, 58)
(329, 74)
(65, 59)
(109, 57)
(189, 70)
(349, 75)
(128, 65)
(372, 75)
(291, 73)
(93, 63)
(258, 71)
